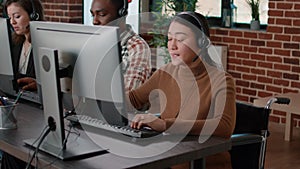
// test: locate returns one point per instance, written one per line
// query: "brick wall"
(265, 63)
(63, 10)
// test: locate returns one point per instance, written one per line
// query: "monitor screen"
(6, 68)
(88, 70)
(89, 55)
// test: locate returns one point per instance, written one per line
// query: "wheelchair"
(249, 138)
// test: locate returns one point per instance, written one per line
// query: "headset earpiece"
(124, 10)
(34, 16)
(203, 41)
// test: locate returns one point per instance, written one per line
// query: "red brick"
(296, 22)
(249, 63)
(273, 89)
(264, 94)
(282, 52)
(281, 82)
(257, 43)
(221, 32)
(235, 47)
(228, 40)
(236, 75)
(284, 6)
(282, 37)
(235, 61)
(293, 14)
(271, 21)
(273, 13)
(291, 61)
(249, 92)
(274, 44)
(264, 79)
(296, 69)
(215, 38)
(242, 83)
(284, 21)
(250, 35)
(271, 4)
(275, 29)
(274, 74)
(291, 45)
(267, 36)
(257, 86)
(291, 76)
(265, 50)
(296, 85)
(242, 98)
(242, 55)
(242, 69)
(282, 67)
(289, 90)
(265, 65)
(257, 71)
(236, 33)
(292, 30)
(258, 57)
(250, 49)
(296, 38)
(274, 59)
(243, 41)
(249, 77)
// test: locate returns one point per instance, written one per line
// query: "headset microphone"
(195, 58)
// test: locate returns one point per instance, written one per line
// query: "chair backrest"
(248, 145)
(251, 119)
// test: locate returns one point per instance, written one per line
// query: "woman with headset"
(20, 13)
(196, 96)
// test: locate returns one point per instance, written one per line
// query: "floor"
(282, 154)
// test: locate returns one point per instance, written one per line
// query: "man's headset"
(124, 10)
(203, 42)
(34, 16)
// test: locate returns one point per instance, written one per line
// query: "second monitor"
(89, 67)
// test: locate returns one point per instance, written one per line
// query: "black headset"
(124, 10)
(34, 16)
(203, 42)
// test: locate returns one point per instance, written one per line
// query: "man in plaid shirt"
(136, 55)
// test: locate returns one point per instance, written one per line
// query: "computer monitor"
(6, 67)
(88, 68)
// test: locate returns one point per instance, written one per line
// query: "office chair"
(249, 138)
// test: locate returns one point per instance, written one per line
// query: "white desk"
(291, 109)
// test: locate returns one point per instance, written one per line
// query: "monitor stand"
(53, 114)
(78, 149)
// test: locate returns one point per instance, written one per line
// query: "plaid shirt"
(136, 56)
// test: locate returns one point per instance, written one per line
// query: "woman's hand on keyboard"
(148, 120)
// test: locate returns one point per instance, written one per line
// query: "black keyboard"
(126, 130)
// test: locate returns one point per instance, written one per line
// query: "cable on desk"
(51, 127)
(37, 148)
(43, 131)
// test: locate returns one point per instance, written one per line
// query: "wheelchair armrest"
(245, 138)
